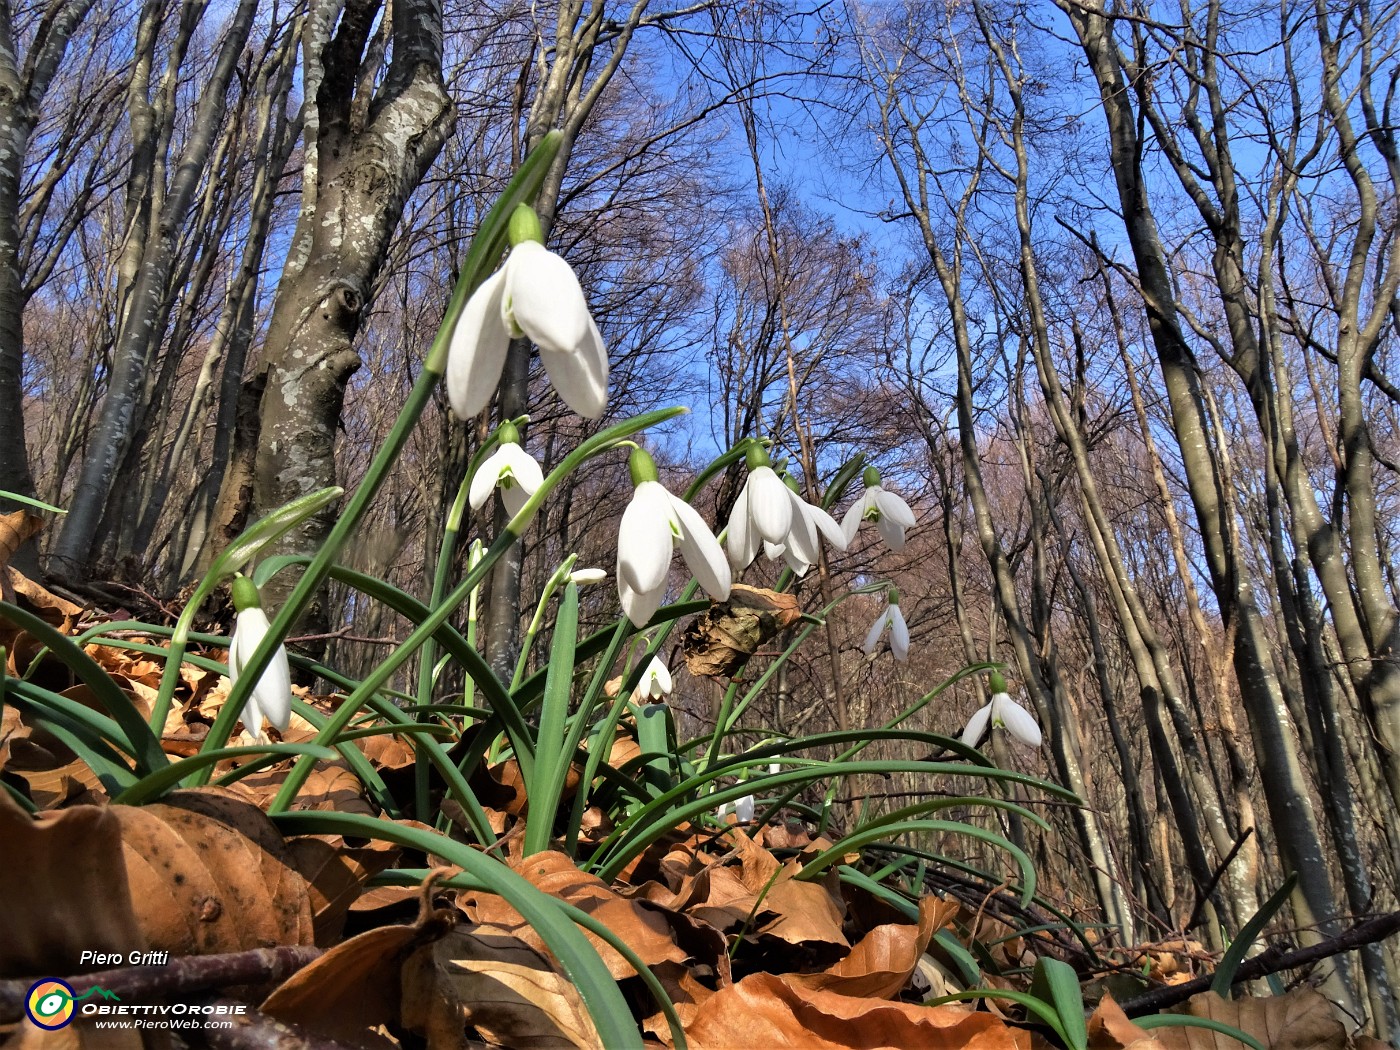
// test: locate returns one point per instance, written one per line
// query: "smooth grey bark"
(366, 149)
(1281, 775)
(23, 85)
(159, 211)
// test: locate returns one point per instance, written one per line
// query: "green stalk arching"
(486, 247)
(595, 445)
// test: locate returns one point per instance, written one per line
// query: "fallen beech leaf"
(1301, 1020)
(880, 965)
(509, 992)
(721, 641)
(349, 991)
(335, 875)
(1110, 1029)
(764, 1010)
(209, 873)
(64, 889)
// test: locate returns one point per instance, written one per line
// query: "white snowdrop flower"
(761, 514)
(535, 295)
(892, 618)
(271, 698)
(1002, 713)
(584, 577)
(808, 521)
(656, 681)
(743, 809)
(890, 514)
(511, 469)
(654, 524)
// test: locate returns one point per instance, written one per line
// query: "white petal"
(580, 376)
(644, 544)
(701, 550)
(544, 299)
(1018, 722)
(485, 478)
(523, 468)
(826, 525)
(274, 691)
(977, 725)
(851, 520)
(872, 637)
(477, 351)
(514, 497)
(773, 551)
(743, 809)
(658, 679)
(252, 719)
(796, 564)
(769, 504)
(802, 534)
(640, 606)
(891, 531)
(899, 634)
(892, 506)
(741, 538)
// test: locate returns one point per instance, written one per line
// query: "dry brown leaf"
(880, 965)
(721, 641)
(1301, 1020)
(335, 875)
(64, 890)
(509, 992)
(1110, 1029)
(809, 913)
(351, 990)
(764, 1010)
(209, 873)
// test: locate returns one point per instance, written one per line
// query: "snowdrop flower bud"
(271, 698)
(535, 295)
(654, 524)
(890, 514)
(890, 617)
(511, 468)
(656, 681)
(583, 577)
(1002, 713)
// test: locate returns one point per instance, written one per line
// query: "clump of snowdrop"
(654, 524)
(271, 698)
(511, 469)
(890, 514)
(1002, 713)
(535, 295)
(891, 619)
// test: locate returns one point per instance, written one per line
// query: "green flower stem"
(510, 714)
(552, 761)
(481, 257)
(560, 575)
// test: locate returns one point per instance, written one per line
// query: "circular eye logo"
(50, 1003)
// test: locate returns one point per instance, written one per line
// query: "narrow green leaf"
(158, 783)
(1225, 973)
(1187, 1021)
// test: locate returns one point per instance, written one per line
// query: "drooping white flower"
(271, 698)
(1002, 713)
(743, 809)
(656, 681)
(654, 524)
(509, 468)
(892, 618)
(889, 512)
(535, 295)
(808, 521)
(771, 514)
